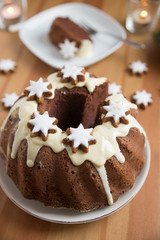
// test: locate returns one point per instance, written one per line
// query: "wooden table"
(140, 219)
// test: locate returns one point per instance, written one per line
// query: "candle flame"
(143, 14)
(10, 10)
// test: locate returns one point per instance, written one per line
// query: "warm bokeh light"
(10, 10)
(143, 14)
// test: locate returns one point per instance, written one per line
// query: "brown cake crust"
(64, 28)
(56, 182)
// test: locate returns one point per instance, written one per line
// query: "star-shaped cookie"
(79, 138)
(72, 74)
(142, 99)
(42, 124)
(38, 90)
(9, 99)
(115, 112)
(68, 49)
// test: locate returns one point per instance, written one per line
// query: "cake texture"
(70, 38)
(68, 145)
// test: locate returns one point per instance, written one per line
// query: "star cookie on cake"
(38, 90)
(79, 138)
(9, 99)
(138, 67)
(72, 74)
(7, 65)
(142, 99)
(68, 49)
(115, 112)
(113, 88)
(42, 124)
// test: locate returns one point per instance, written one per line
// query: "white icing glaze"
(68, 49)
(9, 99)
(103, 175)
(113, 88)
(90, 82)
(26, 108)
(106, 145)
(7, 65)
(142, 97)
(38, 88)
(120, 97)
(85, 49)
(138, 67)
(38, 123)
(72, 71)
(80, 136)
(116, 110)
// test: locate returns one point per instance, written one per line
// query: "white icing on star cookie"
(38, 88)
(138, 67)
(113, 88)
(9, 99)
(68, 49)
(80, 137)
(72, 74)
(7, 65)
(42, 123)
(142, 98)
(115, 112)
(72, 71)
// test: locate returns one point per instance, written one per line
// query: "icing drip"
(23, 132)
(103, 175)
(90, 83)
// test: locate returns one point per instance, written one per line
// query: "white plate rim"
(130, 195)
(92, 60)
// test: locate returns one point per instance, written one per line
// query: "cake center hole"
(68, 109)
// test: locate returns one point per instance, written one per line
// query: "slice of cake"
(70, 38)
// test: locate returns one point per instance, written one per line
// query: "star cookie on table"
(113, 88)
(115, 112)
(68, 49)
(72, 74)
(9, 99)
(7, 65)
(138, 67)
(142, 99)
(42, 124)
(79, 138)
(38, 90)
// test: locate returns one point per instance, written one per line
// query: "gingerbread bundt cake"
(70, 38)
(69, 145)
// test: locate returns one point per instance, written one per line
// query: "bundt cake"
(68, 145)
(70, 38)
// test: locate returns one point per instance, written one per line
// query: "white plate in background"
(34, 33)
(65, 216)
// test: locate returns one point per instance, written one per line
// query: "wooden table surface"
(140, 219)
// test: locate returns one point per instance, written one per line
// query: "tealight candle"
(11, 13)
(142, 15)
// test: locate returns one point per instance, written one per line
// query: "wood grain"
(140, 219)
